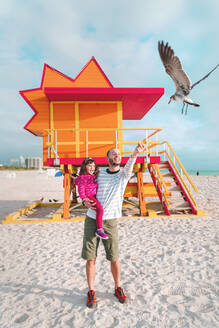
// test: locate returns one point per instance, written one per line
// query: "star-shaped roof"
(89, 85)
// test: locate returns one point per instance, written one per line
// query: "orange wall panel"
(53, 78)
(100, 115)
(41, 103)
(91, 77)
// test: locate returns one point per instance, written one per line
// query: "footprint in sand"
(205, 308)
(178, 290)
(22, 318)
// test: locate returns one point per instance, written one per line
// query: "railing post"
(142, 203)
(164, 152)
(147, 147)
(67, 191)
(48, 144)
(116, 138)
(56, 135)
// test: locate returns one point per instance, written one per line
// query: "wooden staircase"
(179, 202)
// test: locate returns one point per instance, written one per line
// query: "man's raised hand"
(138, 149)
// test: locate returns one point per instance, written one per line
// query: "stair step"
(167, 175)
(174, 188)
(163, 166)
(180, 206)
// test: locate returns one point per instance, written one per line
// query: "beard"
(113, 163)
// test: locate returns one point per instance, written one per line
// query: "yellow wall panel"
(64, 118)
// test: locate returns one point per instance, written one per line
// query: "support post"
(142, 203)
(67, 189)
(74, 194)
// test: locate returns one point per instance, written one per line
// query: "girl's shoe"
(101, 234)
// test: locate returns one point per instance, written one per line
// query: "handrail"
(157, 130)
(162, 184)
(153, 144)
(158, 181)
(149, 129)
(53, 142)
(180, 164)
(107, 129)
(161, 178)
(82, 129)
(181, 179)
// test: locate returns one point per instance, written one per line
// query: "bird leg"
(187, 105)
(183, 107)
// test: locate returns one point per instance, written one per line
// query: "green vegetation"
(12, 167)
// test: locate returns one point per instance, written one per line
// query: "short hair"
(107, 154)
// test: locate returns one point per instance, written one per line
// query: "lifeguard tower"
(84, 117)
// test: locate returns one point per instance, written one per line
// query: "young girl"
(87, 187)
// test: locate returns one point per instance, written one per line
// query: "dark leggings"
(99, 211)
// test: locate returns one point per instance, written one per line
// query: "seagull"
(182, 82)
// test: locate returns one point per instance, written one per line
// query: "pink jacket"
(86, 185)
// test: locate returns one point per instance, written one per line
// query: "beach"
(169, 266)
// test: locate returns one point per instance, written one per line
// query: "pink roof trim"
(136, 101)
(98, 160)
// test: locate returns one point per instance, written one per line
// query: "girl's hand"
(89, 203)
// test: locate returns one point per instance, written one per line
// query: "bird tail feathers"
(191, 103)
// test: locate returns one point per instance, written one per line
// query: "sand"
(169, 267)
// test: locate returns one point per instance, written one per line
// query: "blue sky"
(123, 36)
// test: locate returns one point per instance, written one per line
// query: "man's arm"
(89, 203)
(129, 165)
(138, 149)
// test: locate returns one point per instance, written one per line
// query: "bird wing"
(204, 76)
(173, 67)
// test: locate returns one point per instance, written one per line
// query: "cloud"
(123, 37)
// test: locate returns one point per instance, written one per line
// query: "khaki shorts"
(91, 241)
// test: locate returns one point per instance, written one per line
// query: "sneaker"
(101, 234)
(119, 293)
(91, 299)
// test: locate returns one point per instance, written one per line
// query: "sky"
(122, 35)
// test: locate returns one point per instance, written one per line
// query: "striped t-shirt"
(110, 190)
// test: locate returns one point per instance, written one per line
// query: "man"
(111, 186)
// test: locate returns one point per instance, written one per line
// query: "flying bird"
(182, 82)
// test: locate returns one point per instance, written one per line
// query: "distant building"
(22, 161)
(33, 162)
(14, 161)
